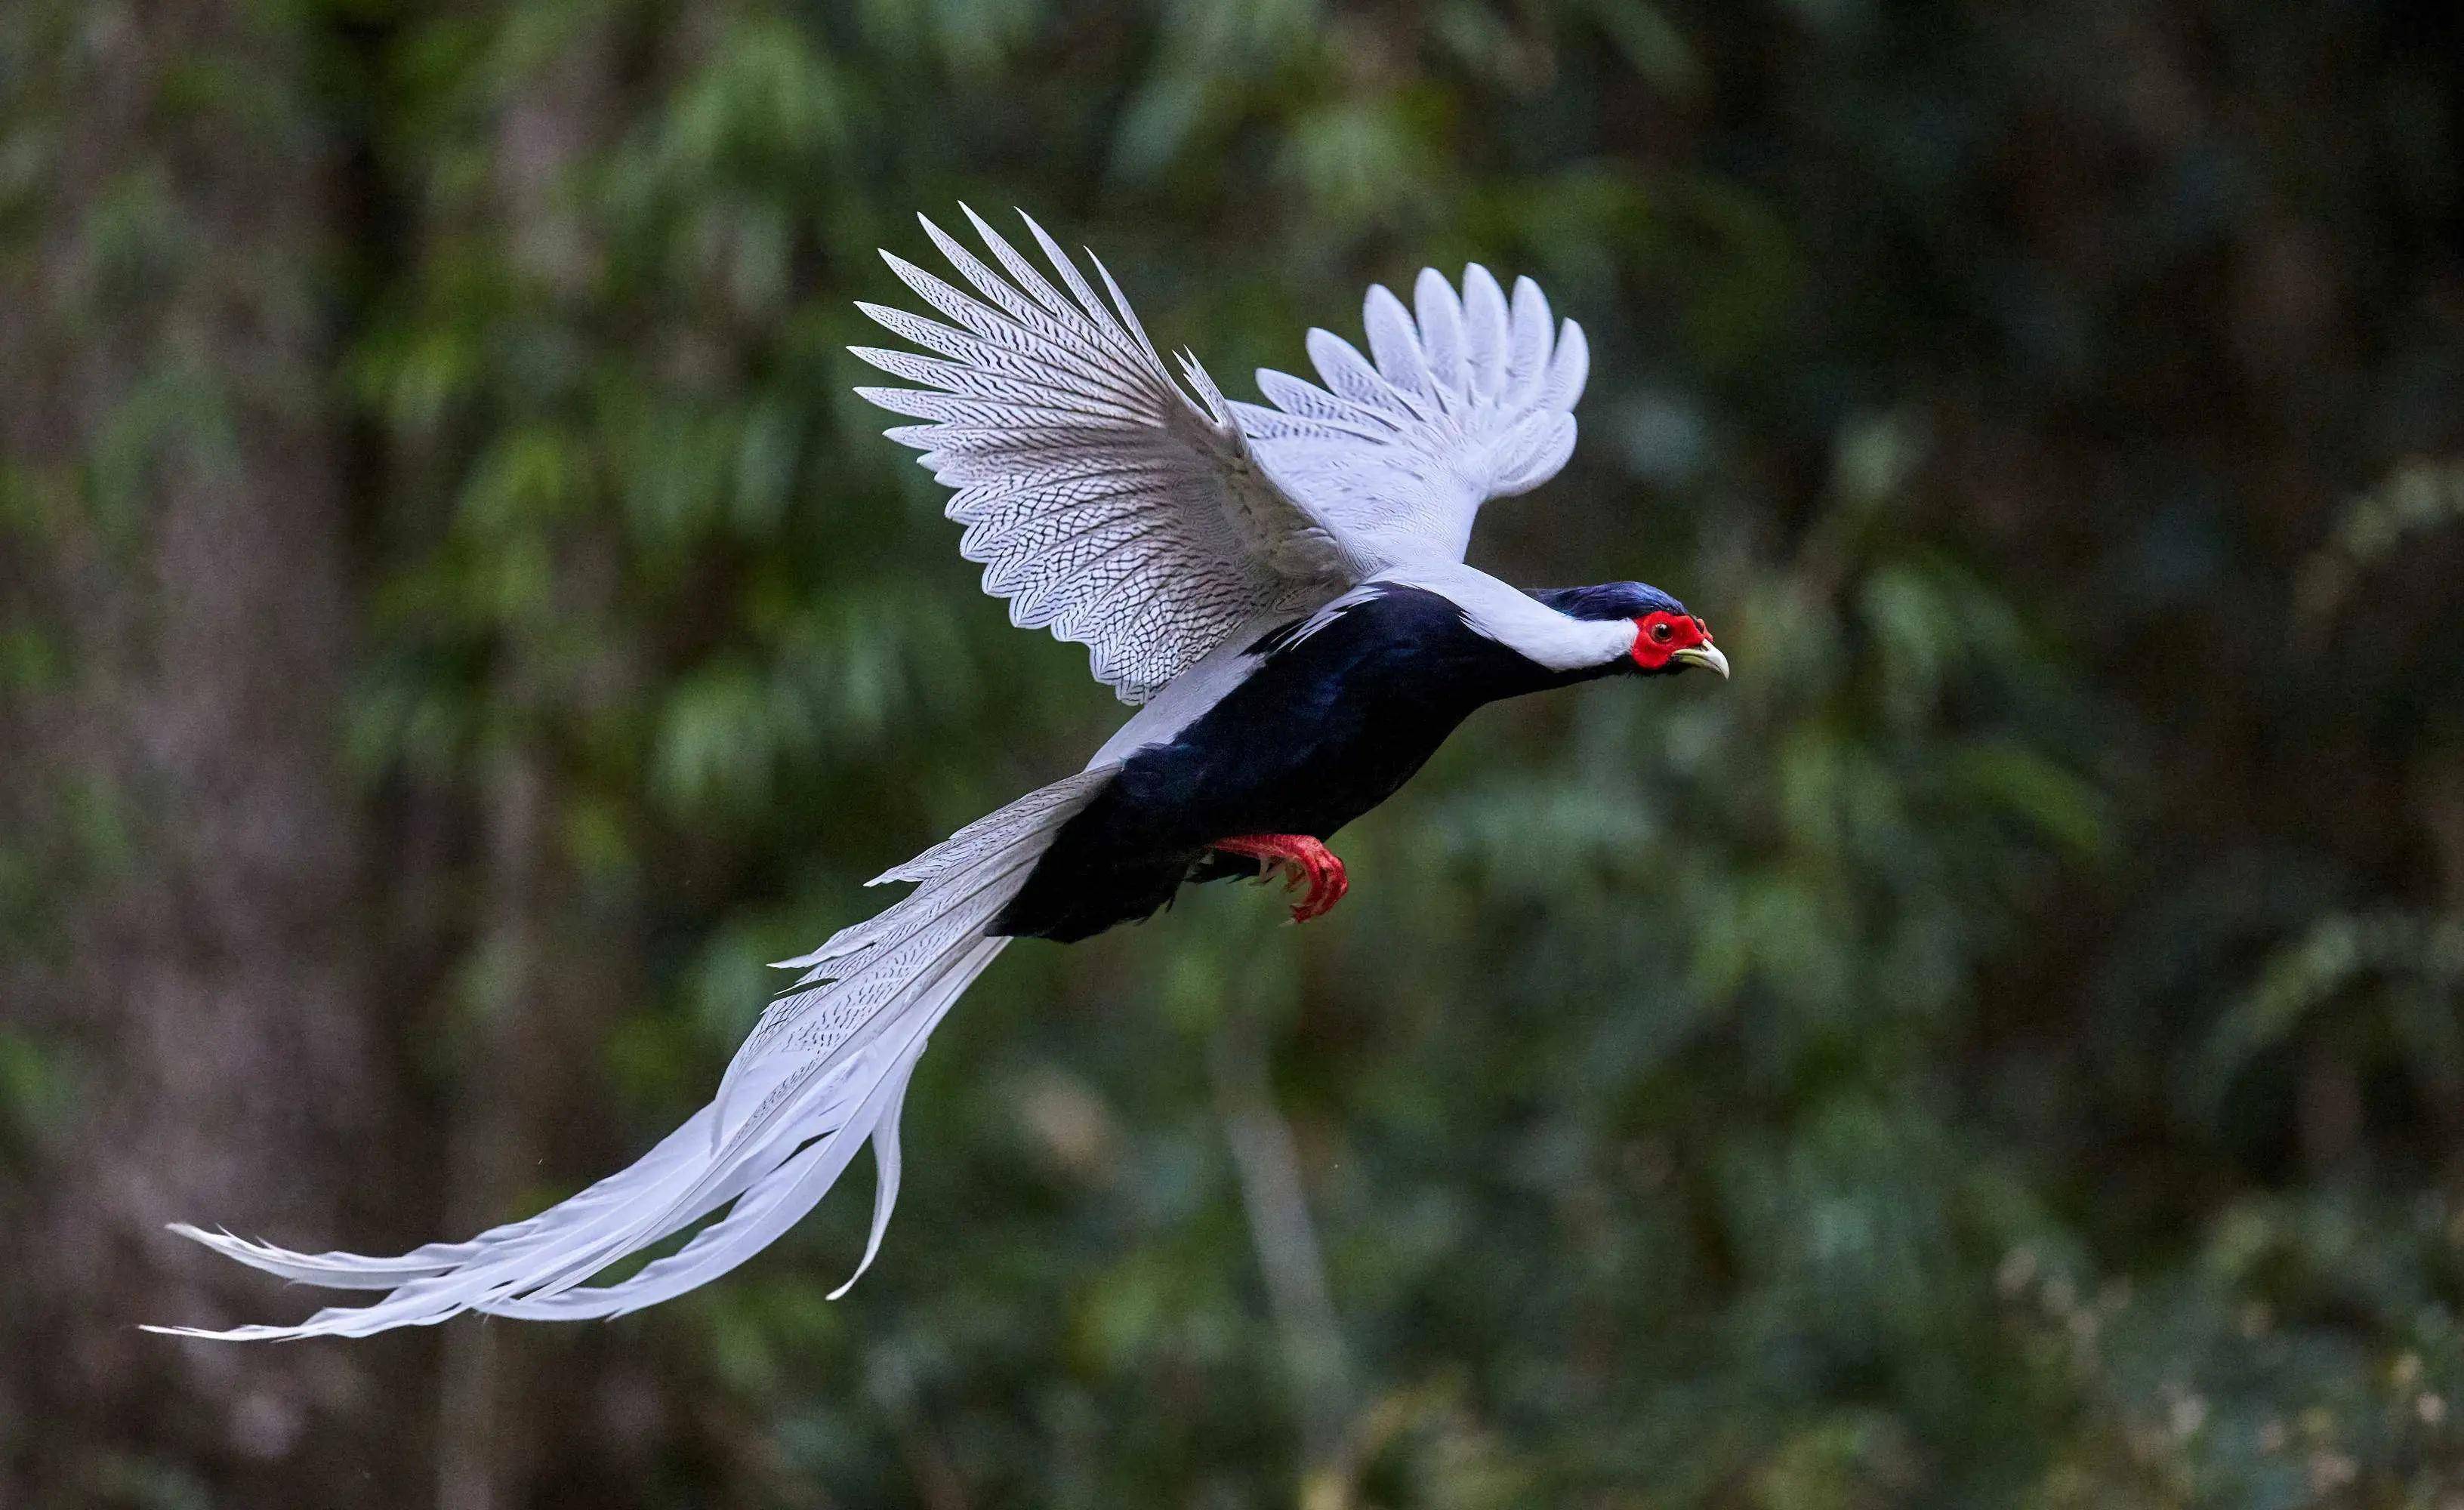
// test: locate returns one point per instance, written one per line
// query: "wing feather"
(956, 378)
(1029, 342)
(1349, 374)
(1047, 315)
(1471, 398)
(1441, 334)
(1306, 400)
(1528, 359)
(1484, 332)
(1566, 370)
(1395, 343)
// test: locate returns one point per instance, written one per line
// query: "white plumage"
(1102, 500)
(1109, 505)
(823, 1073)
(1475, 401)
(1160, 526)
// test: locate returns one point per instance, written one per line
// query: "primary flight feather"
(1281, 590)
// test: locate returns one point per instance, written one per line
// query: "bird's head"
(1666, 638)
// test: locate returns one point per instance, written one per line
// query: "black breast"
(1327, 727)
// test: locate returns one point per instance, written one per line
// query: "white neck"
(1519, 620)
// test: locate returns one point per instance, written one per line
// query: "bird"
(1280, 592)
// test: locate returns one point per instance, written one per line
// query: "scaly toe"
(1325, 890)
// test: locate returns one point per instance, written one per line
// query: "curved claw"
(1299, 859)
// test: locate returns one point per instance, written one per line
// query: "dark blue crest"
(1608, 600)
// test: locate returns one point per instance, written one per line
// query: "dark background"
(2002, 1049)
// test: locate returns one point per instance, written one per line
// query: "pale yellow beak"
(1706, 656)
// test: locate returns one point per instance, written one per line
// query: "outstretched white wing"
(1102, 500)
(1473, 401)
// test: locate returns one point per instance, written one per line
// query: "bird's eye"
(1663, 633)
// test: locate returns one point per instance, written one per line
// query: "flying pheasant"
(1280, 591)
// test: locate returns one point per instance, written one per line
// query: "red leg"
(1300, 858)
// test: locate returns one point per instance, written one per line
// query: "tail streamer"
(823, 1073)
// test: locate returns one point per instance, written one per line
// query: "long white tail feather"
(886, 1170)
(815, 1031)
(348, 1271)
(785, 1195)
(824, 1072)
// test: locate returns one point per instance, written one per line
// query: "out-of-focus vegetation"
(2003, 1049)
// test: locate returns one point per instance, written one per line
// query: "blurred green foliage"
(2000, 1050)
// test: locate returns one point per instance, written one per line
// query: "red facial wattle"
(1658, 636)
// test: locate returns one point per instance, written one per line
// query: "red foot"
(1300, 858)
